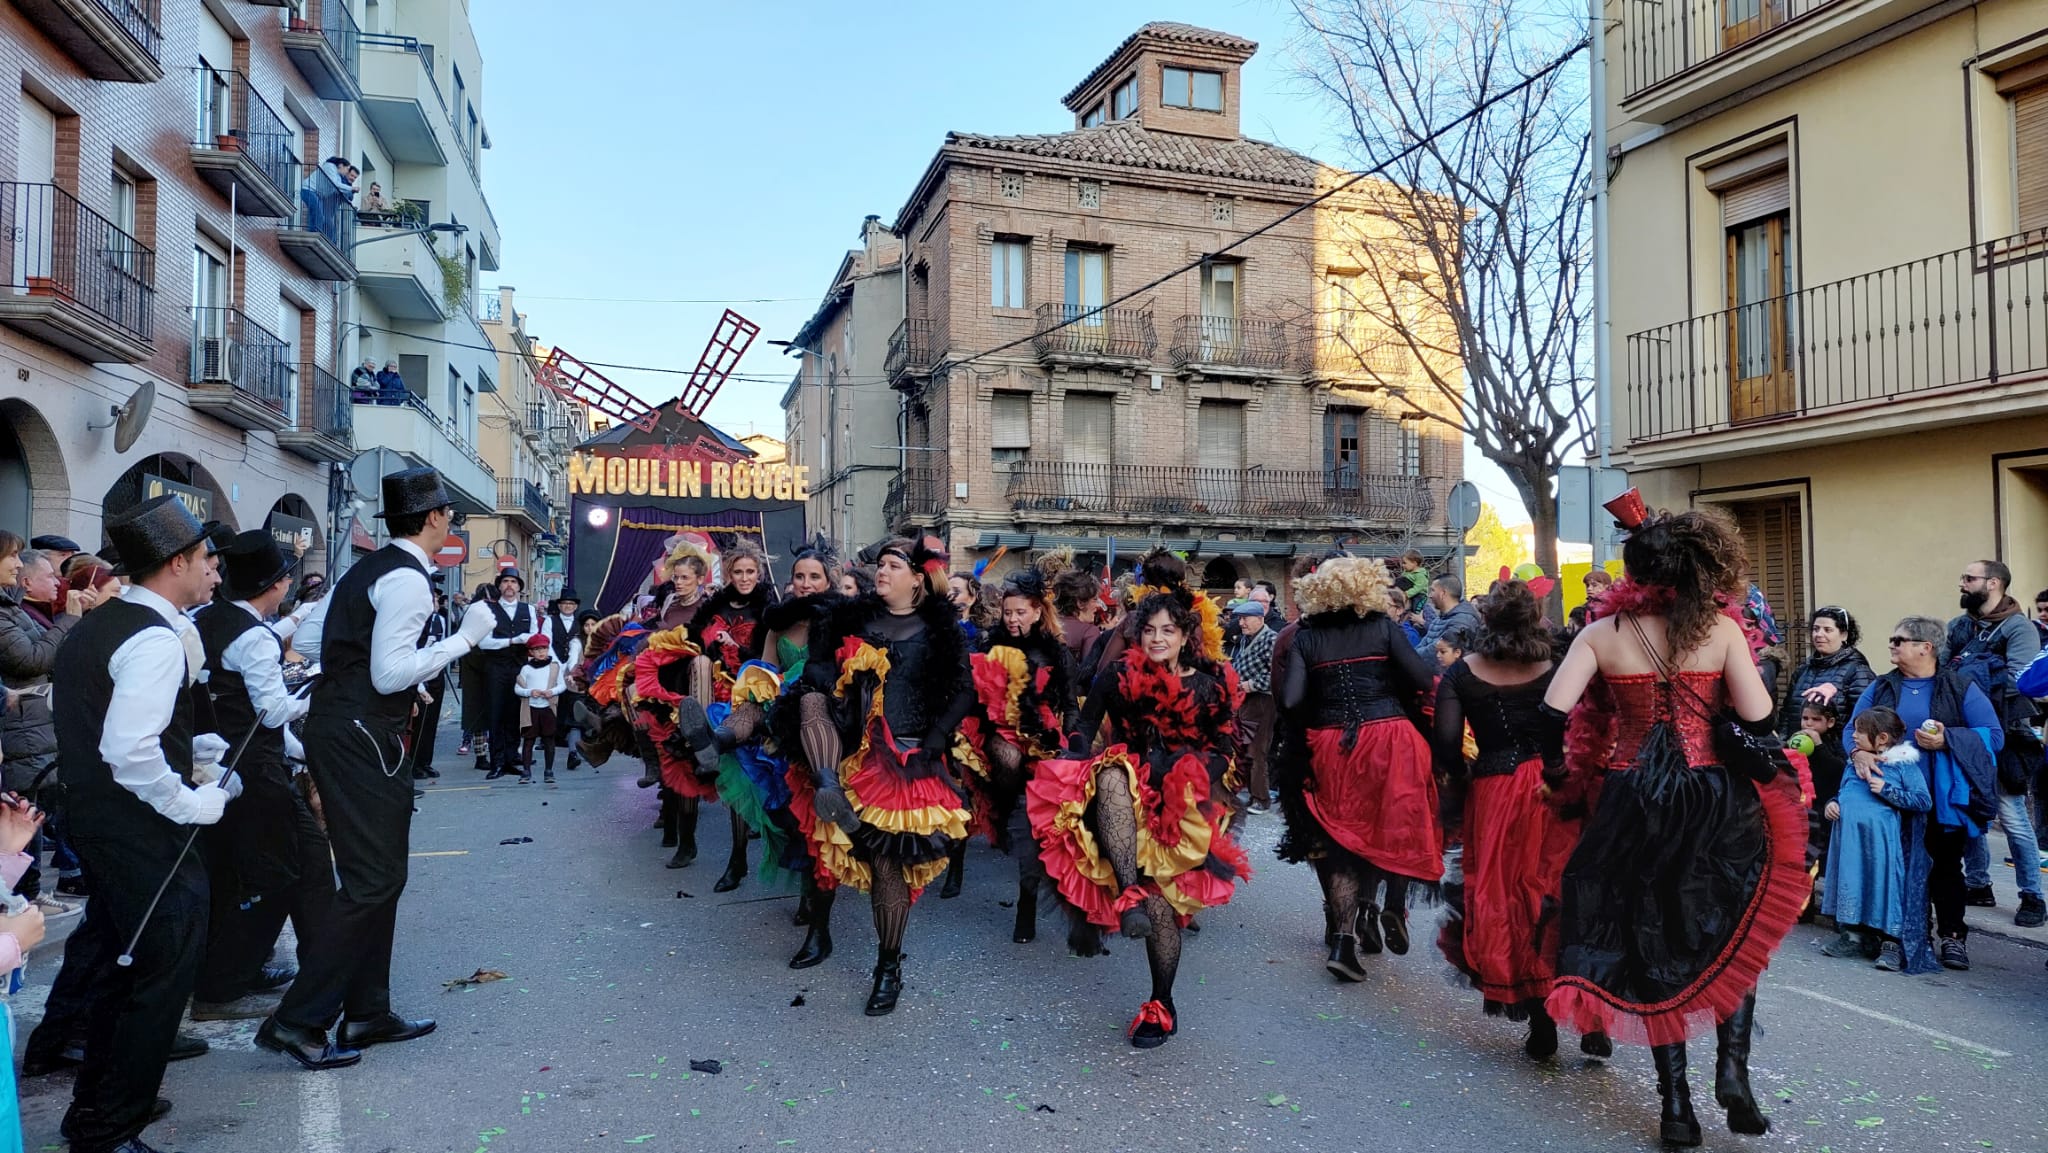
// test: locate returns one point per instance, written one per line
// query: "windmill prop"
(729, 341)
(578, 383)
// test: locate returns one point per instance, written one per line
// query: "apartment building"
(418, 136)
(1224, 411)
(525, 435)
(1830, 286)
(155, 243)
(840, 415)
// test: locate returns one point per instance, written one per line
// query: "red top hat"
(1628, 509)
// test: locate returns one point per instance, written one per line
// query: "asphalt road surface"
(620, 973)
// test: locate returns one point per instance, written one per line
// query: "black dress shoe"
(44, 1064)
(275, 977)
(187, 1046)
(389, 1027)
(69, 1126)
(495, 773)
(309, 1047)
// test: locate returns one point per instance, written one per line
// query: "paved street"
(620, 973)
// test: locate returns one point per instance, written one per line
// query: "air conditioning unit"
(220, 359)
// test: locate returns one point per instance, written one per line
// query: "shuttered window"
(1010, 438)
(1089, 425)
(1767, 195)
(1343, 447)
(1219, 446)
(1775, 539)
(2030, 156)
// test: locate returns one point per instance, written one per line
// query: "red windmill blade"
(573, 380)
(729, 341)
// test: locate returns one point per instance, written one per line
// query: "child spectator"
(540, 684)
(1819, 721)
(1866, 859)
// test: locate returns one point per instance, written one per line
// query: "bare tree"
(1471, 299)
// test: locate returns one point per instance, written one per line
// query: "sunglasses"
(1907, 641)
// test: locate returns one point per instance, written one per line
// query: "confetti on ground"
(480, 977)
(517, 841)
(642, 1139)
(1275, 1100)
(1869, 1122)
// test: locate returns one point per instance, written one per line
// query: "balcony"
(1358, 360)
(1066, 491)
(107, 39)
(401, 273)
(325, 429)
(918, 497)
(420, 435)
(241, 148)
(321, 236)
(1950, 339)
(239, 375)
(1680, 55)
(914, 348)
(327, 52)
(1074, 336)
(1230, 346)
(401, 100)
(73, 280)
(521, 499)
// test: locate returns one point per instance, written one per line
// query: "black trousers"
(367, 798)
(500, 676)
(240, 938)
(1945, 887)
(428, 726)
(80, 983)
(132, 1023)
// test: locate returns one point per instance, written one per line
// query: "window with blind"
(1219, 448)
(1088, 441)
(1010, 439)
(2027, 88)
(1755, 191)
(1774, 535)
(1008, 262)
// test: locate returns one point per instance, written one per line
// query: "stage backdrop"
(631, 491)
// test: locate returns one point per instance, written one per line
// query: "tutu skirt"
(1516, 847)
(1684, 881)
(909, 817)
(1377, 798)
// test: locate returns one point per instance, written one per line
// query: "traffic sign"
(454, 551)
(1463, 507)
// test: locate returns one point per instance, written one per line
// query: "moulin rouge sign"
(687, 473)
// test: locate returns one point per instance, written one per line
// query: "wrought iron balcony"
(1665, 39)
(1108, 337)
(1357, 358)
(523, 498)
(1172, 494)
(321, 235)
(1954, 322)
(914, 348)
(1233, 346)
(241, 147)
(72, 279)
(917, 496)
(239, 372)
(327, 51)
(108, 39)
(325, 428)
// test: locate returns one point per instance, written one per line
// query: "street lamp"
(457, 229)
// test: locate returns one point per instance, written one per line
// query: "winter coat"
(1845, 668)
(1464, 613)
(28, 652)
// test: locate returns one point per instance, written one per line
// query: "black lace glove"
(1750, 748)
(1550, 738)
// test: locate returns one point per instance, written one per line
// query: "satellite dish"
(128, 420)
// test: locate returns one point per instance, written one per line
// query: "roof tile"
(1128, 144)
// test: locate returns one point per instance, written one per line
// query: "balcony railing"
(527, 499)
(234, 118)
(1229, 342)
(321, 235)
(1171, 493)
(328, 53)
(1094, 334)
(1339, 354)
(52, 245)
(917, 495)
(324, 428)
(109, 39)
(229, 349)
(914, 348)
(1962, 319)
(1666, 38)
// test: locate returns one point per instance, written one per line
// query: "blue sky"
(650, 152)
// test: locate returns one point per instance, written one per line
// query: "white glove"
(212, 801)
(476, 628)
(208, 750)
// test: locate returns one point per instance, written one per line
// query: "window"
(1011, 439)
(2030, 156)
(474, 133)
(1088, 441)
(213, 104)
(1087, 283)
(1183, 88)
(1008, 260)
(455, 396)
(1219, 309)
(1125, 100)
(1219, 447)
(126, 201)
(468, 415)
(1092, 117)
(1776, 542)
(1343, 448)
(209, 290)
(1410, 440)
(1756, 220)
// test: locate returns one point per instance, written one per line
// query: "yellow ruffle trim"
(1159, 862)
(834, 849)
(1205, 611)
(756, 684)
(675, 640)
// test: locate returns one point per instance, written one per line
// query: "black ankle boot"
(1394, 925)
(1676, 1124)
(803, 906)
(1026, 929)
(818, 940)
(1329, 926)
(1344, 962)
(736, 864)
(686, 837)
(956, 871)
(668, 822)
(888, 985)
(1731, 1072)
(1541, 1044)
(1368, 924)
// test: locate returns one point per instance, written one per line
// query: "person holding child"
(1866, 892)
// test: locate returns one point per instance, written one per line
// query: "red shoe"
(1152, 1026)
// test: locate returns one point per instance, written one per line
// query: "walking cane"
(127, 957)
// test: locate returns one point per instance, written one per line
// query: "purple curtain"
(634, 555)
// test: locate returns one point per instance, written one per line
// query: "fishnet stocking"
(1116, 824)
(700, 679)
(1344, 887)
(744, 720)
(820, 738)
(1162, 948)
(891, 894)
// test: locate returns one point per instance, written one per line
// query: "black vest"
(345, 691)
(559, 635)
(221, 624)
(519, 623)
(82, 695)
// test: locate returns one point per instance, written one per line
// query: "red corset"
(1641, 700)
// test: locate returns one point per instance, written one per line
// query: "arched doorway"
(169, 472)
(35, 488)
(297, 530)
(1221, 573)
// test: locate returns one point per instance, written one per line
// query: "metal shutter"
(1012, 419)
(1090, 428)
(1776, 541)
(2030, 156)
(1220, 434)
(1767, 195)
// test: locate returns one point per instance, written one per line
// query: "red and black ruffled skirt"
(1516, 845)
(909, 815)
(1372, 790)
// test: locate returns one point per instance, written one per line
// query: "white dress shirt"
(149, 670)
(259, 658)
(403, 599)
(511, 607)
(575, 656)
(306, 638)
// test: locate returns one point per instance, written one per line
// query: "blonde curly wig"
(681, 552)
(1360, 584)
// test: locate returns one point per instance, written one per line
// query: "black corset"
(1347, 693)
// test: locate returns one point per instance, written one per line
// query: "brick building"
(1229, 410)
(152, 232)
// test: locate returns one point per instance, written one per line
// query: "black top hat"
(414, 490)
(220, 533)
(253, 562)
(512, 573)
(55, 543)
(161, 528)
(567, 594)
